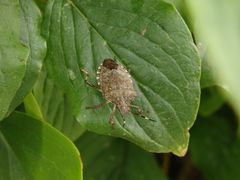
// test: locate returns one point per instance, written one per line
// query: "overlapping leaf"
(151, 40)
(13, 54)
(31, 149)
(22, 50)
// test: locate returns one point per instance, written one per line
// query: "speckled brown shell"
(116, 84)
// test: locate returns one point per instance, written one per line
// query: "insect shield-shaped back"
(116, 84)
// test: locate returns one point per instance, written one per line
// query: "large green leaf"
(22, 50)
(13, 54)
(217, 25)
(30, 149)
(151, 40)
(214, 149)
(110, 158)
(30, 27)
(55, 107)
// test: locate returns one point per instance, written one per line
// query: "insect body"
(116, 85)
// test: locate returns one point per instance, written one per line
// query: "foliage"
(44, 123)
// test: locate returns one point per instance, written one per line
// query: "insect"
(116, 85)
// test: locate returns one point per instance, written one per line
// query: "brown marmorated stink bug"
(116, 85)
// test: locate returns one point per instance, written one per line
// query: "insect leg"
(98, 105)
(111, 121)
(86, 75)
(140, 112)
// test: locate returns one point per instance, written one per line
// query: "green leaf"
(214, 149)
(218, 26)
(111, 158)
(22, 50)
(32, 39)
(34, 150)
(182, 8)
(55, 107)
(150, 39)
(13, 54)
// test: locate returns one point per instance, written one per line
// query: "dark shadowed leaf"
(211, 101)
(150, 39)
(31, 149)
(115, 159)
(215, 149)
(22, 50)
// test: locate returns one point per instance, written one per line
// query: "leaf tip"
(181, 151)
